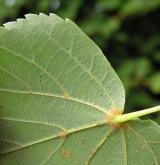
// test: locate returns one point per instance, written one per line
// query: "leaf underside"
(56, 91)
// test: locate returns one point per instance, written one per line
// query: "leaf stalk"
(133, 115)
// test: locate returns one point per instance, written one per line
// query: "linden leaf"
(57, 92)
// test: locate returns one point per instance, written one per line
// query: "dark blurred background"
(127, 31)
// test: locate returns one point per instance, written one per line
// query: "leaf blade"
(56, 83)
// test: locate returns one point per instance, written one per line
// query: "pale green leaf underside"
(56, 89)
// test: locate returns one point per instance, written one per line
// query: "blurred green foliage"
(128, 32)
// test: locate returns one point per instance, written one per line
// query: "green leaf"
(57, 94)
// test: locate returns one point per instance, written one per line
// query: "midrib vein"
(56, 96)
(70, 131)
